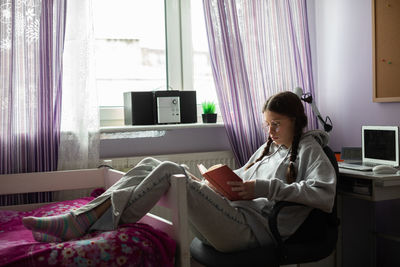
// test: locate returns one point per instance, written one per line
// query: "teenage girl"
(290, 166)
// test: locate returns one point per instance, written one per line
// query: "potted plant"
(209, 115)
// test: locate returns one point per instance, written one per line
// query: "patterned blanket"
(133, 244)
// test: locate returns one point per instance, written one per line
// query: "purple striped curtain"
(257, 48)
(31, 46)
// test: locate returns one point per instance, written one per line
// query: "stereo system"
(160, 107)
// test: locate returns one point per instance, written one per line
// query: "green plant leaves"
(208, 107)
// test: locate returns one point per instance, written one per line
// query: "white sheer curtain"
(79, 145)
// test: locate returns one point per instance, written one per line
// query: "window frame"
(178, 50)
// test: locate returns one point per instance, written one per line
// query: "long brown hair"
(288, 104)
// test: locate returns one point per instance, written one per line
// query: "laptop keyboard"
(353, 166)
(359, 163)
(369, 164)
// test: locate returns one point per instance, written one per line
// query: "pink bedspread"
(130, 245)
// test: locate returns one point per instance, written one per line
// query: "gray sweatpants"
(211, 217)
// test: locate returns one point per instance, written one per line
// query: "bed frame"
(174, 199)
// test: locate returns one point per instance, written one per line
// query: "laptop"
(380, 146)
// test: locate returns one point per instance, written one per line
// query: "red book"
(218, 176)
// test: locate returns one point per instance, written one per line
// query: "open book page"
(202, 168)
(215, 167)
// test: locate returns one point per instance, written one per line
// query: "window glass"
(203, 81)
(130, 48)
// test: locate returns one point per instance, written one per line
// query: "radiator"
(190, 159)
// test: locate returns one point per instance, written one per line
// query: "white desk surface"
(370, 175)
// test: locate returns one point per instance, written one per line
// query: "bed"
(153, 241)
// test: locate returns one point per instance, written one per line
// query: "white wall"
(341, 32)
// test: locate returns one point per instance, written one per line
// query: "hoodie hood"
(320, 136)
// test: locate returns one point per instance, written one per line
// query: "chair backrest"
(316, 217)
(332, 158)
(319, 231)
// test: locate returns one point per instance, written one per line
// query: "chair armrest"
(273, 219)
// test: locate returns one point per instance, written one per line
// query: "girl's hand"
(245, 189)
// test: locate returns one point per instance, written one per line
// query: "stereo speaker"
(138, 108)
(188, 106)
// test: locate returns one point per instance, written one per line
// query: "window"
(130, 52)
(203, 81)
(147, 45)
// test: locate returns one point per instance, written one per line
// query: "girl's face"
(279, 127)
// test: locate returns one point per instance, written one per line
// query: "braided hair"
(288, 104)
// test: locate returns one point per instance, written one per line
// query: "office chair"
(314, 240)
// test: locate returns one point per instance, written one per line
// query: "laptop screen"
(380, 144)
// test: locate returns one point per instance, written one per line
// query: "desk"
(369, 210)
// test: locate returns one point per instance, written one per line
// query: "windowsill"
(160, 127)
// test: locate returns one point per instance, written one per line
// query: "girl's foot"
(64, 227)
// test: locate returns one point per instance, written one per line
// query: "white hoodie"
(315, 185)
